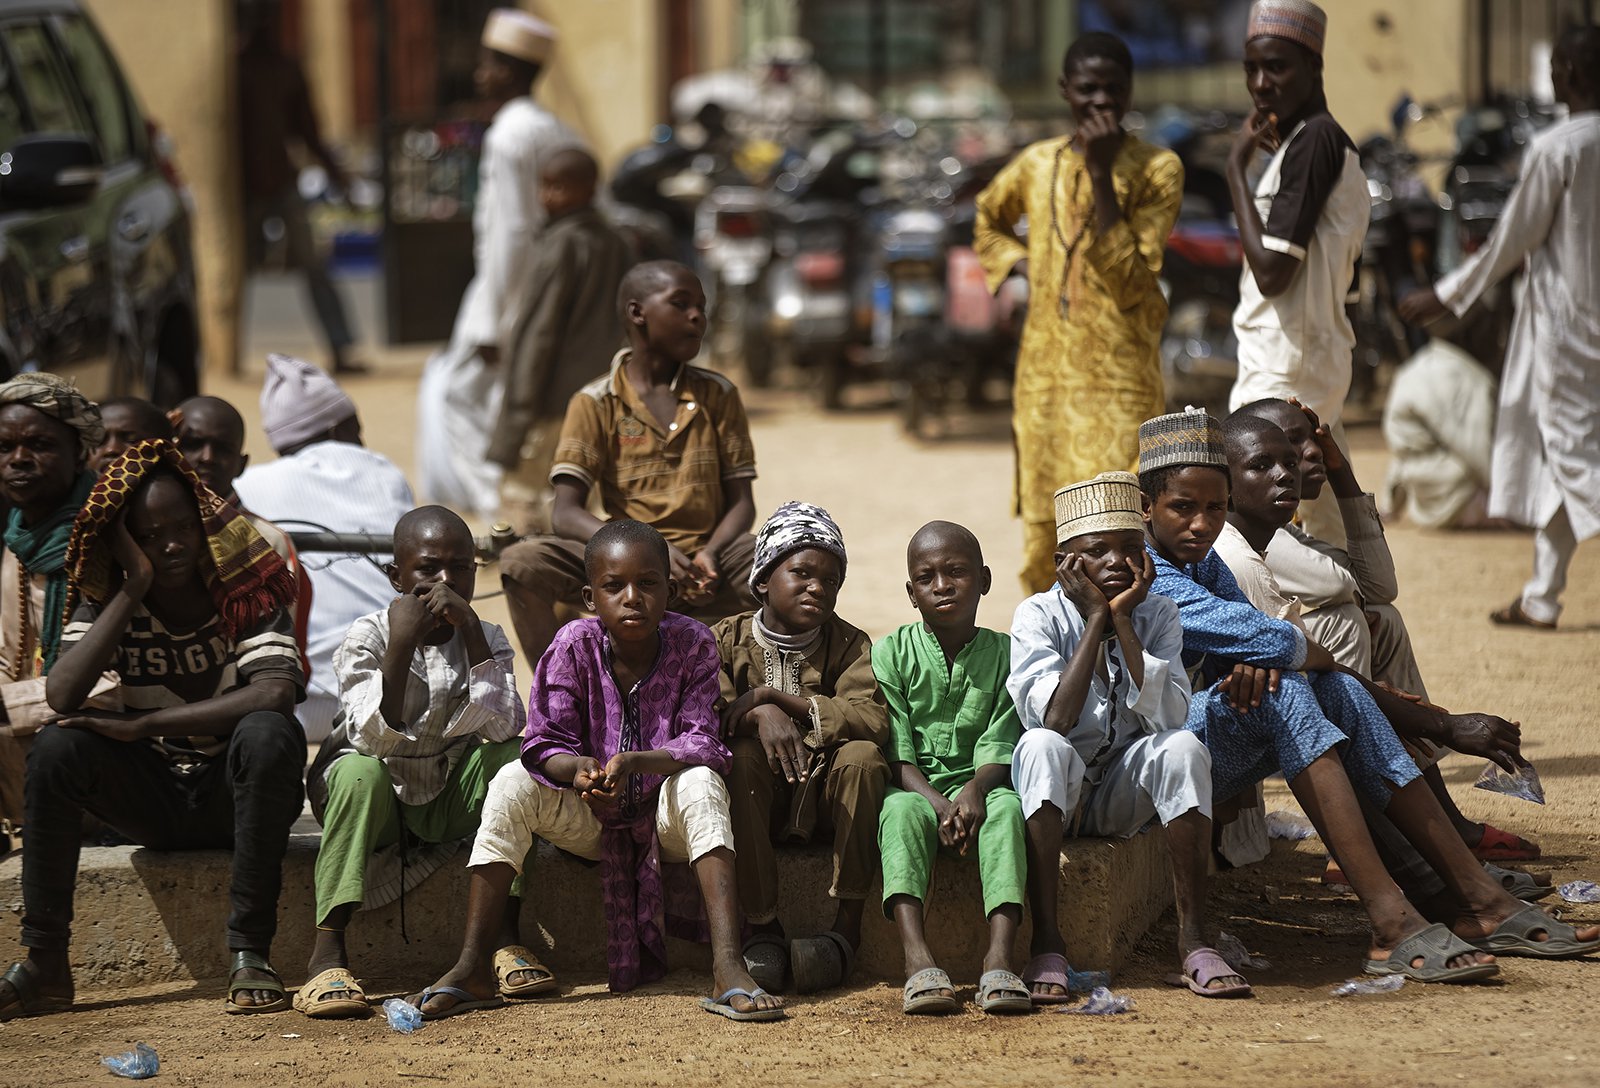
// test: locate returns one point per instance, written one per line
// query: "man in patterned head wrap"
(48, 430)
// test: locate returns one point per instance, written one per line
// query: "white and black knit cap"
(793, 527)
(1189, 437)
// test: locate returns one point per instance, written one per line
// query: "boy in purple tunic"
(621, 764)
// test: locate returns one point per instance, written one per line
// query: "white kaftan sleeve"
(493, 709)
(1523, 227)
(1037, 662)
(1162, 701)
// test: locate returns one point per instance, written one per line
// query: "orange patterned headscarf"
(246, 577)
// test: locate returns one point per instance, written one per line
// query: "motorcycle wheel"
(831, 379)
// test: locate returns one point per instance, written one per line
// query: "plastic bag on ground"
(1524, 784)
(1102, 1002)
(1383, 984)
(136, 1064)
(1580, 891)
(1289, 825)
(1083, 982)
(1237, 956)
(403, 1016)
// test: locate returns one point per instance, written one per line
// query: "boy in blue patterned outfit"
(1267, 698)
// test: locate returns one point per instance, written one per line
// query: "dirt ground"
(1529, 1029)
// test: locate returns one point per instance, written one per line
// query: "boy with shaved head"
(128, 421)
(428, 713)
(951, 731)
(1098, 679)
(568, 333)
(664, 442)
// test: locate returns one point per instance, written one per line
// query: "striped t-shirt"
(163, 668)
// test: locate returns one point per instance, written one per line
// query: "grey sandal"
(1003, 992)
(1515, 937)
(766, 957)
(1520, 884)
(922, 996)
(1436, 946)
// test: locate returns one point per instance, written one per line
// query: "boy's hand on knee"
(710, 575)
(1486, 735)
(781, 740)
(687, 576)
(735, 713)
(108, 723)
(1247, 685)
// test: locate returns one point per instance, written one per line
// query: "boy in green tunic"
(952, 729)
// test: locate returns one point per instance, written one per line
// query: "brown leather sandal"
(1512, 615)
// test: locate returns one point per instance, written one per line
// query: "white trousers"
(691, 818)
(1553, 549)
(1160, 775)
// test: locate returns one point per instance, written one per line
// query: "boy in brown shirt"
(667, 444)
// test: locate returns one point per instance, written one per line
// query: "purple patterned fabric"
(576, 708)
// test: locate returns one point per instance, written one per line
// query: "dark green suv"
(96, 271)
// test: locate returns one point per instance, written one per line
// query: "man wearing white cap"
(1301, 230)
(324, 479)
(459, 396)
(1098, 680)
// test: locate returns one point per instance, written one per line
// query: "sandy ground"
(1530, 1028)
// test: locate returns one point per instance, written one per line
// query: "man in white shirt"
(324, 479)
(1546, 468)
(459, 397)
(1300, 228)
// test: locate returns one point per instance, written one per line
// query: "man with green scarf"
(47, 432)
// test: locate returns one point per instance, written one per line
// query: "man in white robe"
(459, 395)
(1546, 469)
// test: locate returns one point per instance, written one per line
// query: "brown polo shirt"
(670, 477)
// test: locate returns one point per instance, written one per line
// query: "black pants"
(244, 800)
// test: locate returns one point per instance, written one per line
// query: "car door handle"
(133, 228)
(75, 249)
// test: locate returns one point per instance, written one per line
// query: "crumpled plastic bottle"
(402, 1015)
(1102, 1002)
(136, 1064)
(1289, 825)
(1383, 984)
(1580, 891)
(1237, 956)
(1524, 784)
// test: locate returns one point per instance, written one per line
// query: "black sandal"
(245, 960)
(30, 999)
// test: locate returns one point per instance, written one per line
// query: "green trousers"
(364, 814)
(908, 839)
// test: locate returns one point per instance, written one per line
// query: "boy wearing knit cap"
(1267, 698)
(663, 442)
(806, 723)
(952, 728)
(325, 479)
(1100, 689)
(1300, 228)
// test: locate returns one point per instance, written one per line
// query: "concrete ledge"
(145, 916)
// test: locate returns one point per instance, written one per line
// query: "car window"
(12, 125)
(49, 99)
(100, 84)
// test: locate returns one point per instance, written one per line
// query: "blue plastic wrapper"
(1383, 984)
(1102, 1002)
(1524, 784)
(403, 1016)
(1083, 982)
(1580, 891)
(136, 1064)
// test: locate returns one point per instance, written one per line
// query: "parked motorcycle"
(733, 236)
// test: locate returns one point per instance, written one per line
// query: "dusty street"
(1532, 1028)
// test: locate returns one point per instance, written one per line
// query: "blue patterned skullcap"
(793, 527)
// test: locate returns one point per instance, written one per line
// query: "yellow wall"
(604, 78)
(178, 54)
